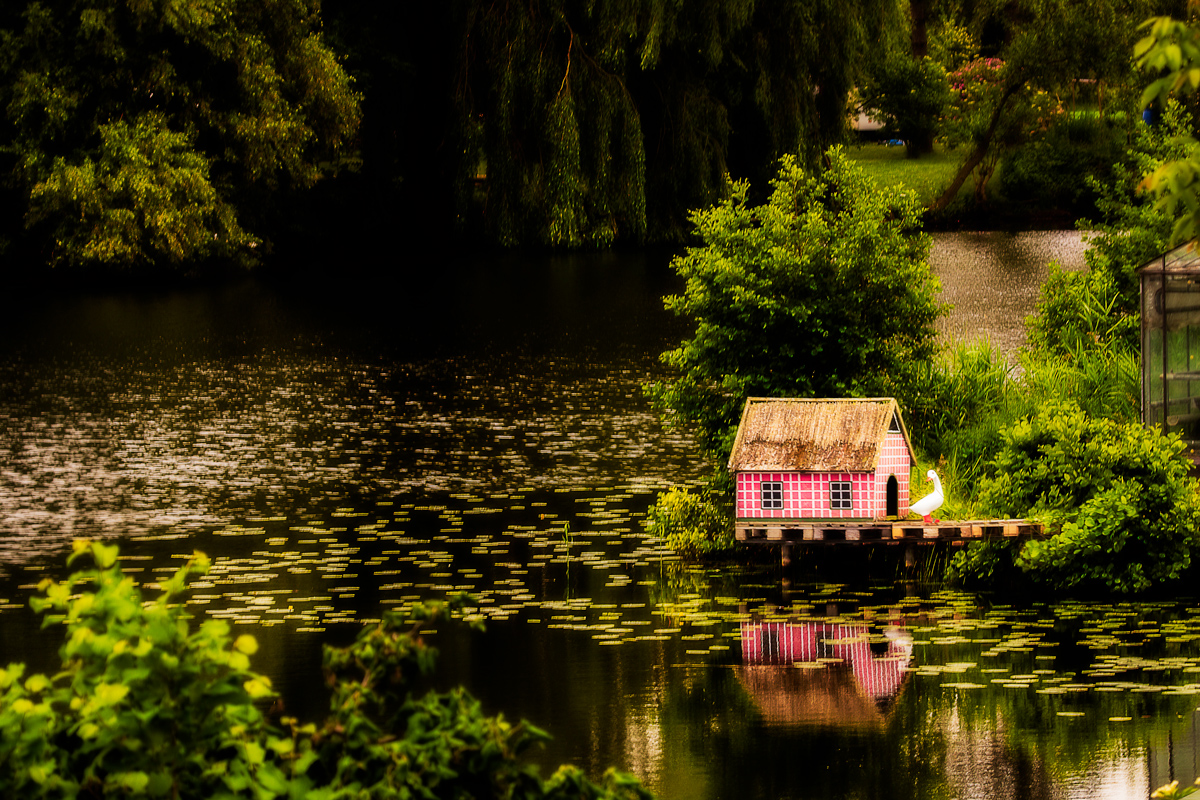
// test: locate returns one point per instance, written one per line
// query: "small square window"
(772, 494)
(840, 496)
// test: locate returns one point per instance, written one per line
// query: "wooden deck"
(956, 532)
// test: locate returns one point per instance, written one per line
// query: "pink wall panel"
(805, 495)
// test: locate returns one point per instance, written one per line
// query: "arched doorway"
(893, 496)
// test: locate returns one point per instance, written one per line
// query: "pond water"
(345, 449)
(992, 279)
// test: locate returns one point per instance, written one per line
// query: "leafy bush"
(1047, 172)
(825, 290)
(691, 523)
(1127, 512)
(146, 707)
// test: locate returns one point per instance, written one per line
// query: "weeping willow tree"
(605, 120)
(137, 133)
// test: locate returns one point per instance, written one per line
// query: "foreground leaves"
(147, 707)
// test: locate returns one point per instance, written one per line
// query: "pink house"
(798, 460)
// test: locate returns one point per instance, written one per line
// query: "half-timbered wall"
(806, 495)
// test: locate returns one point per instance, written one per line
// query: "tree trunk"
(981, 149)
(919, 40)
(919, 48)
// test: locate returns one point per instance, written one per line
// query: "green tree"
(910, 95)
(145, 133)
(1170, 52)
(824, 290)
(1045, 46)
(904, 85)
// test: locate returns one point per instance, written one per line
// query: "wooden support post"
(910, 556)
(786, 554)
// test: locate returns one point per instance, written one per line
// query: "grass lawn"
(927, 175)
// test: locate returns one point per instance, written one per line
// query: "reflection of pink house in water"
(855, 679)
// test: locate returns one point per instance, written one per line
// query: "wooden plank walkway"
(956, 532)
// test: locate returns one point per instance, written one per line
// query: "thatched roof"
(814, 435)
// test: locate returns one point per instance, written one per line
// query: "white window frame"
(772, 501)
(841, 495)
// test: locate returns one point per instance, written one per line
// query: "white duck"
(930, 502)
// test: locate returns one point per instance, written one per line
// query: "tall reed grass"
(960, 404)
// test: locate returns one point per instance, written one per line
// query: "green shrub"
(147, 707)
(1047, 172)
(1126, 510)
(691, 523)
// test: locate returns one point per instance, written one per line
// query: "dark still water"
(340, 450)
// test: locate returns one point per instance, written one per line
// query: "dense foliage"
(1127, 512)
(824, 290)
(909, 95)
(692, 523)
(147, 706)
(603, 120)
(1045, 49)
(137, 133)
(1170, 52)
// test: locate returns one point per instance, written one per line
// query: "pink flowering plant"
(977, 89)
